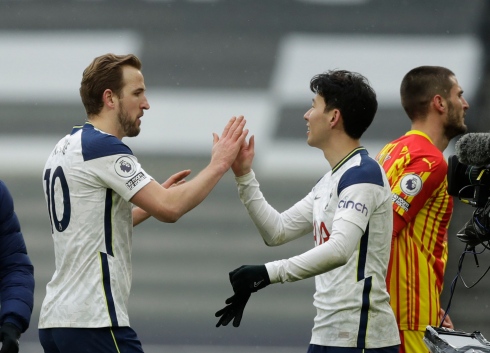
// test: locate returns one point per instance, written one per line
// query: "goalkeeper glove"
(245, 280)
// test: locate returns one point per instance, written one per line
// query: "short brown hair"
(105, 72)
(420, 85)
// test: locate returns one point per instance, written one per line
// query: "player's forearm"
(323, 258)
(139, 215)
(168, 205)
(187, 196)
(274, 227)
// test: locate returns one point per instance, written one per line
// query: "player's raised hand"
(243, 162)
(226, 147)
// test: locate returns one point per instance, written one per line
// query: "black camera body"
(471, 184)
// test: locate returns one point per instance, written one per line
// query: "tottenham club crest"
(411, 184)
(125, 167)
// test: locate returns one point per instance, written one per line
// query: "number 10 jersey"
(88, 180)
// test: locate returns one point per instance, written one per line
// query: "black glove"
(249, 278)
(245, 280)
(9, 336)
(233, 310)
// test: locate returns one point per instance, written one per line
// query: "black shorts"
(90, 340)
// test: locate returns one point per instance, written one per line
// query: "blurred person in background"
(16, 276)
(422, 208)
(349, 213)
(91, 181)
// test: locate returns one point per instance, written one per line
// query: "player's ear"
(439, 103)
(109, 98)
(334, 117)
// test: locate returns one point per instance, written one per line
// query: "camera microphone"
(474, 149)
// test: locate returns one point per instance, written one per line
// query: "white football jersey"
(350, 213)
(88, 180)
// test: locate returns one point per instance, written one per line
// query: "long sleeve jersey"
(349, 212)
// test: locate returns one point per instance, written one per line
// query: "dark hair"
(105, 72)
(351, 94)
(420, 85)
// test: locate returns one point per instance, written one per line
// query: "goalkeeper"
(349, 212)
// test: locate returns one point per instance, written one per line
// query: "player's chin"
(310, 142)
(134, 132)
(462, 129)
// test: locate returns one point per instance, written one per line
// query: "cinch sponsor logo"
(135, 181)
(354, 205)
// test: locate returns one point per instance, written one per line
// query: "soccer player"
(416, 170)
(349, 213)
(91, 179)
(16, 276)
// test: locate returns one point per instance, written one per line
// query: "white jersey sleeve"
(357, 203)
(325, 257)
(274, 227)
(120, 172)
(348, 225)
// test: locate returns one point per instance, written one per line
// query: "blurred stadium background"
(205, 61)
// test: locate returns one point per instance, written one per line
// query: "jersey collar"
(78, 127)
(349, 156)
(420, 133)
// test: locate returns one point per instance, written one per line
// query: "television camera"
(468, 179)
(471, 184)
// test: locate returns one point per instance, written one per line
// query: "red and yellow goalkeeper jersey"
(417, 170)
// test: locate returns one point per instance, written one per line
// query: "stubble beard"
(454, 125)
(128, 125)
